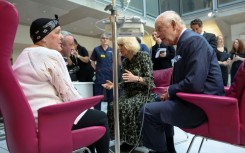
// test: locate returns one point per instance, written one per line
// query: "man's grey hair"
(170, 16)
(65, 34)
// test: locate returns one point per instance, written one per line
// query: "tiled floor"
(209, 146)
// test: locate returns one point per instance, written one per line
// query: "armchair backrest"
(162, 77)
(19, 121)
(242, 118)
(237, 90)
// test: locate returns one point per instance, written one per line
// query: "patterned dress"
(133, 96)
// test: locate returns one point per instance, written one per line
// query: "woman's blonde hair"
(130, 43)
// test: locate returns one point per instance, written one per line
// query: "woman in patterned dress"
(137, 76)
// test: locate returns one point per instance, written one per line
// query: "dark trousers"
(99, 90)
(96, 118)
(160, 117)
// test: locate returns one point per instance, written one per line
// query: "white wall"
(238, 31)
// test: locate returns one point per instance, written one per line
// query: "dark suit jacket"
(197, 69)
(211, 38)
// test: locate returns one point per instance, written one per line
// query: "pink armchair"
(162, 77)
(226, 114)
(162, 80)
(53, 134)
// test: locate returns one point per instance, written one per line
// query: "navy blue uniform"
(103, 71)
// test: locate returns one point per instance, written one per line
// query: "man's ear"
(173, 24)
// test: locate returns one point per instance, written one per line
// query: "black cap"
(42, 27)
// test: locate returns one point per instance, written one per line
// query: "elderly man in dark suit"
(197, 26)
(196, 70)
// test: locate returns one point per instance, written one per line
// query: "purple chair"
(53, 134)
(226, 114)
(162, 80)
(162, 77)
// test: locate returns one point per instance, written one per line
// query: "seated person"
(196, 70)
(137, 76)
(44, 78)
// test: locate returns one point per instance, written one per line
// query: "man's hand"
(165, 95)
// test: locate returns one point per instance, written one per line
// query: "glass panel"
(223, 2)
(195, 5)
(165, 5)
(136, 5)
(152, 8)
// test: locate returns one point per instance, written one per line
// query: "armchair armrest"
(222, 112)
(55, 122)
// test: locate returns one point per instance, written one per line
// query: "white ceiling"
(74, 18)
(83, 19)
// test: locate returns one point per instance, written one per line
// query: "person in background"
(143, 47)
(163, 59)
(223, 58)
(101, 60)
(197, 26)
(237, 55)
(69, 55)
(44, 78)
(86, 71)
(196, 70)
(137, 76)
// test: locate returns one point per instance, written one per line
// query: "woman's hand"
(236, 58)
(227, 62)
(163, 54)
(129, 77)
(108, 85)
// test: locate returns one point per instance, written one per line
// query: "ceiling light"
(210, 14)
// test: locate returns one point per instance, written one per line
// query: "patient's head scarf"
(42, 27)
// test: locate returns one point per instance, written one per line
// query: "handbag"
(73, 73)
